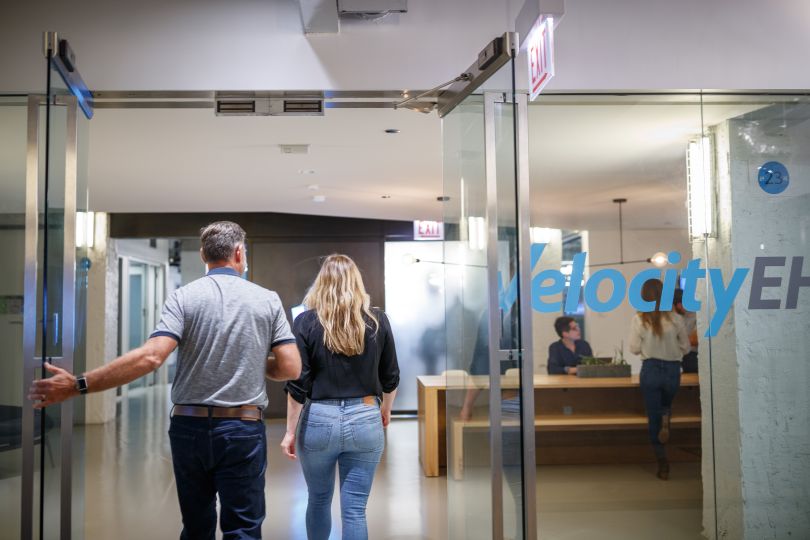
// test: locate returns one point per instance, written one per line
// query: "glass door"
(13, 144)
(53, 306)
(489, 393)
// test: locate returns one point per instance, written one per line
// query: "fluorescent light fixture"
(85, 229)
(477, 232)
(541, 235)
(700, 187)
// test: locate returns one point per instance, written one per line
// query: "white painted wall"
(252, 44)
(606, 331)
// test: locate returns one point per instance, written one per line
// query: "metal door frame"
(519, 103)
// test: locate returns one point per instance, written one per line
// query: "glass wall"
(709, 194)
(414, 304)
(13, 129)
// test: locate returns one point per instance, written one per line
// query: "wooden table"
(569, 411)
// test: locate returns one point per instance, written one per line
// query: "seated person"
(566, 354)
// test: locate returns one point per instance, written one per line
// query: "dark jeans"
(690, 362)
(219, 456)
(659, 382)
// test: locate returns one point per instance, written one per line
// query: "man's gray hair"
(220, 239)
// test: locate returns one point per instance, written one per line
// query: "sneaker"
(663, 433)
(663, 469)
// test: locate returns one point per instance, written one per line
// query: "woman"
(661, 339)
(348, 362)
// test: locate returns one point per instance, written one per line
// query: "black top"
(561, 357)
(329, 375)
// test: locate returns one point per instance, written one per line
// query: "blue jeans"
(219, 456)
(347, 433)
(659, 381)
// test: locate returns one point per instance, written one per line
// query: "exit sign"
(540, 48)
(428, 230)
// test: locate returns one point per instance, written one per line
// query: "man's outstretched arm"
(126, 368)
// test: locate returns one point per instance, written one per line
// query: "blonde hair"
(340, 300)
(651, 292)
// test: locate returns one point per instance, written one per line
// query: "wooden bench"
(551, 423)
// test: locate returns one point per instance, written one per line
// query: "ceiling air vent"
(303, 106)
(236, 107)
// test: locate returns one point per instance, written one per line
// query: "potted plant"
(604, 367)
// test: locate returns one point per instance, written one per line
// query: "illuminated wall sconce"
(85, 229)
(700, 187)
(477, 232)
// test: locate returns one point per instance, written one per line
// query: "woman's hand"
(288, 445)
(386, 416)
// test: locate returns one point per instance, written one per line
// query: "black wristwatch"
(81, 384)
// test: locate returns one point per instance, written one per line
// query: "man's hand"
(54, 389)
(466, 413)
(571, 370)
(288, 445)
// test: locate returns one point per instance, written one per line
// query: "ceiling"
(193, 161)
(582, 155)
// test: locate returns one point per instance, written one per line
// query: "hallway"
(130, 490)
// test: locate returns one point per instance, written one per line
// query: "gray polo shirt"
(225, 327)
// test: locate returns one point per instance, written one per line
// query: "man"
(689, 363)
(566, 354)
(230, 333)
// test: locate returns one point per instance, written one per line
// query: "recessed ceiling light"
(313, 187)
(319, 198)
(442, 198)
(385, 196)
(306, 171)
(392, 131)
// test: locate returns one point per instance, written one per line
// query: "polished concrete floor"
(130, 491)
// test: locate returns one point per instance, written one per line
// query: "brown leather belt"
(245, 412)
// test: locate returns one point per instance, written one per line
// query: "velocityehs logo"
(551, 282)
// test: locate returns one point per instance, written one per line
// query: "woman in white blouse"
(661, 339)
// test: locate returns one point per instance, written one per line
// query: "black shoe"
(663, 469)
(663, 433)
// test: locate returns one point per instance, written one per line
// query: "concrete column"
(102, 318)
(759, 359)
